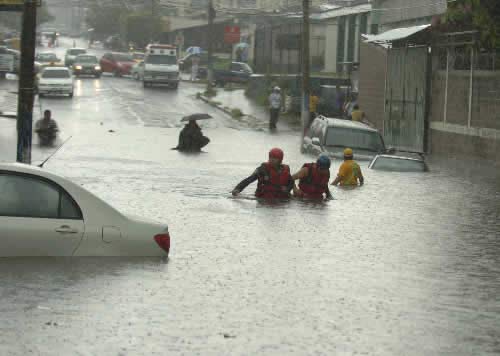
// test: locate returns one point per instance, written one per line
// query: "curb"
(217, 106)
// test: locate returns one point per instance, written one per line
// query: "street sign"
(16, 5)
(232, 34)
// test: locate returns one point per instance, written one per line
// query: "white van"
(161, 66)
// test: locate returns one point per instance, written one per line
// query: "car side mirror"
(315, 141)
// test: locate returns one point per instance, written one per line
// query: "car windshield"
(155, 59)
(86, 59)
(76, 52)
(63, 73)
(123, 58)
(394, 164)
(47, 57)
(355, 139)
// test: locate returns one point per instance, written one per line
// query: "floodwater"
(408, 264)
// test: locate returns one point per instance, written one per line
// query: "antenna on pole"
(53, 153)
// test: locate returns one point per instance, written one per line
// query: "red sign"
(231, 34)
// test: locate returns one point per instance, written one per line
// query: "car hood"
(162, 67)
(86, 65)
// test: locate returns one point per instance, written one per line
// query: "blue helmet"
(324, 162)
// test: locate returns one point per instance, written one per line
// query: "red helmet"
(276, 153)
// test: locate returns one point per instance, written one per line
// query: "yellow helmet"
(348, 152)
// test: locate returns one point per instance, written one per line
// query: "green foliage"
(105, 19)
(141, 27)
(483, 15)
(13, 20)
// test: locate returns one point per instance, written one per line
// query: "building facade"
(334, 41)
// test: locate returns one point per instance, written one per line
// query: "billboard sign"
(231, 34)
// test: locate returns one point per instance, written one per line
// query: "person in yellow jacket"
(349, 172)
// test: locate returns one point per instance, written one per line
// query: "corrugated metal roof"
(395, 34)
(336, 12)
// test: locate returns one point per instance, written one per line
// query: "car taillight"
(163, 240)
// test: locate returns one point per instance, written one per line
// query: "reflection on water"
(406, 265)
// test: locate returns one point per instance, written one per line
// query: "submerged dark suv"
(331, 136)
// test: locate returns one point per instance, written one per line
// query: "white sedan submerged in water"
(42, 214)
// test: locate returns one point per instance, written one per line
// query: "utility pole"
(152, 21)
(211, 15)
(26, 95)
(305, 66)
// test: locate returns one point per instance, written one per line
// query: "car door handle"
(65, 229)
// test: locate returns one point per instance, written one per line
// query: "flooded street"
(408, 264)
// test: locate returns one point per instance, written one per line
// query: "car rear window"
(75, 52)
(355, 139)
(63, 73)
(398, 165)
(167, 60)
(86, 59)
(123, 58)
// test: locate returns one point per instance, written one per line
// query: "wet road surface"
(409, 264)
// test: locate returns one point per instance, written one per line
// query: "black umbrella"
(195, 117)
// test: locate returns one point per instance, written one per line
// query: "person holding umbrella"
(191, 138)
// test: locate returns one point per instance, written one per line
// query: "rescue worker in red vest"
(313, 179)
(273, 178)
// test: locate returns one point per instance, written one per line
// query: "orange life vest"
(273, 184)
(316, 182)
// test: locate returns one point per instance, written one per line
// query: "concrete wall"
(485, 98)
(451, 132)
(372, 72)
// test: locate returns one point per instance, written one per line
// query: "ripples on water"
(406, 265)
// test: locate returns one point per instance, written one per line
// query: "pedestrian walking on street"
(274, 179)
(349, 172)
(274, 107)
(357, 114)
(195, 63)
(313, 180)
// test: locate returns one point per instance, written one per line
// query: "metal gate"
(405, 98)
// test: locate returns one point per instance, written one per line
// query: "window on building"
(247, 4)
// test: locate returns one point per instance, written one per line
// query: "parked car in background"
(87, 64)
(331, 136)
(7, 61)
(113, 43)
(55, 81)
(48, 59)
(138, 56)
(117, 63)
(400, 162)
(71, 54)
(43, 214)
(137, 71)
(237, 72)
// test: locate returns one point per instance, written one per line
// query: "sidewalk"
(235, 103)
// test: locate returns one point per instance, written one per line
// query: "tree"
(483, 15)
(105, 19)
(13, 20)
(141, 28)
